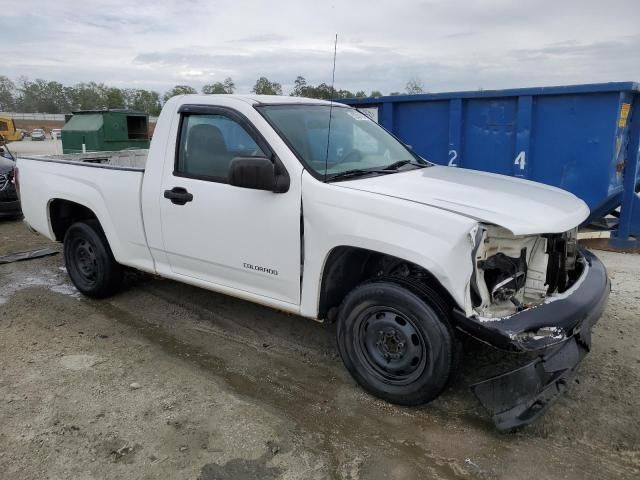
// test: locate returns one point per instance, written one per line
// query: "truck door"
(228, 236)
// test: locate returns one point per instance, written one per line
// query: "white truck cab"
(312, 208)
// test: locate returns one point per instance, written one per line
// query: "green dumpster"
(105, 130)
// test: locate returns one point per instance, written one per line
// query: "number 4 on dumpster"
(521, 160)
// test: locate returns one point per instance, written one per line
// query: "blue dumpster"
(582, 138)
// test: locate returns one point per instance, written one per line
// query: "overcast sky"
(449, 45)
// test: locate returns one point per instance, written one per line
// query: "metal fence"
(59, 117)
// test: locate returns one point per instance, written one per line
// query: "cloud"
(450, 45)
(262, 38)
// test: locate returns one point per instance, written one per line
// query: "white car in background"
(56, 133)
(37, 134)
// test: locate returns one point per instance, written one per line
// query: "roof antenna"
(333, 79)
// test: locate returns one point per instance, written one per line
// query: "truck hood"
(521, 206)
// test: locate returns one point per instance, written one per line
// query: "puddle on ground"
(240, 469)
(15, 281)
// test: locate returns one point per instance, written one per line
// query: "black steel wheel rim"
(390, 346)
(85, 260)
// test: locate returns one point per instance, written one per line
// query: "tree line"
(42, 96)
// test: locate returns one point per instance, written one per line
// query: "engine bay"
(513, 273)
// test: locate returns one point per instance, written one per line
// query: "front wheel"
(89, 260)
(395, 343)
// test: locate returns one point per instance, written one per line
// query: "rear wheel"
(394, 343)
(89, 260)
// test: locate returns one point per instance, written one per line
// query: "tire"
(395, 344)
(429, 295)
(89, 260)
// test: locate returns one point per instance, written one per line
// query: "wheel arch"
(346, 267)
(63, 213)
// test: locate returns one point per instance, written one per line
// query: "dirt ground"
(174, 382)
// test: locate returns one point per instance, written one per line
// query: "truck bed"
(110, 187)
(120, 160)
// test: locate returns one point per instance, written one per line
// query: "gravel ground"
(170, 381)
(44, 147)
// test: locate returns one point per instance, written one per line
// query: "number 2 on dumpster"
(521, 160)
(453, 156)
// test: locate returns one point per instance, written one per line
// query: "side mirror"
(258, 173)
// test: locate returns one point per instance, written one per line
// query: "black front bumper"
(9, 202)
(518, 397)
(10, 208)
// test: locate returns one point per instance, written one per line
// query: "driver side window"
(208, 143)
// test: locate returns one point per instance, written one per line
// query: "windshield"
(356, 142)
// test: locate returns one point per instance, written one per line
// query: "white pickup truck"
(314, 209)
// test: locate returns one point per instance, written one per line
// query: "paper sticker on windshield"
(371, 112)
(356, 115)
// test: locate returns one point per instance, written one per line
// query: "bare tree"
(415, 86)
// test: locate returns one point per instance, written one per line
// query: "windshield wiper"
(401, 163)
(357, 172)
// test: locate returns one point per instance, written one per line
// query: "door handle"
(178, 195)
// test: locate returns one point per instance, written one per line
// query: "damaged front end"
(515, 274)
(534, 293)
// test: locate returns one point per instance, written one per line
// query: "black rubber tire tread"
(110, 273)
(431, 319)
(433, 298)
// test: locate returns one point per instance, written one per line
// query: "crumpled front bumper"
(518, 397)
